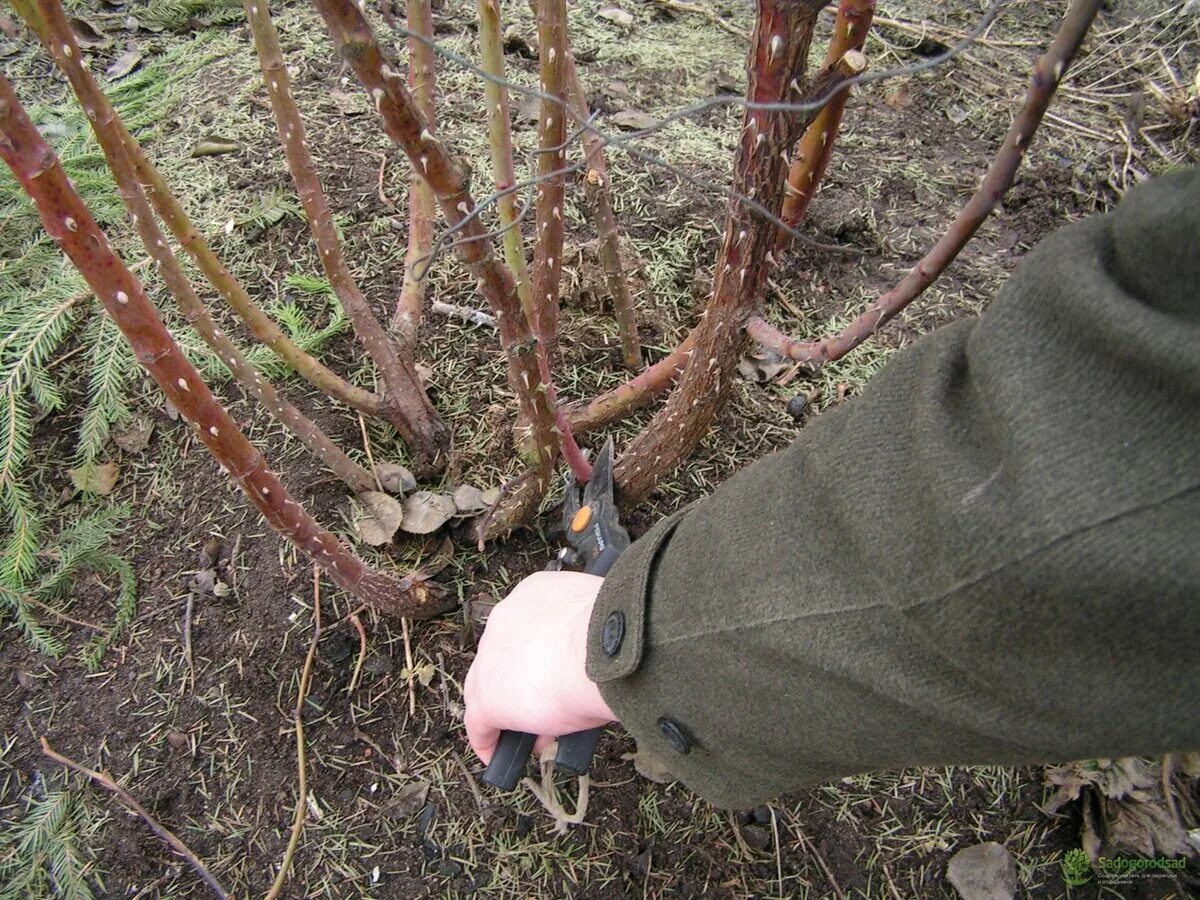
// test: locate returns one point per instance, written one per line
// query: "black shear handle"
(574, 750)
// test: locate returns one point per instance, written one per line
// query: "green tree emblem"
(1076, 867)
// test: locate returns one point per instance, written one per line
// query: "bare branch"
(412, 413)
(70, 224)
(422, 206)
(1048, 71)
(60, 41)
(160, 831)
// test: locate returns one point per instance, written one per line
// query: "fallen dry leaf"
(408, 800)
(469, 500)
(215, 146)
(616, 16)
(762, 365)
(124, 64)
(134, 437)
(381, 514)
(96, 479)
(395, 479)
(633, 120)
(426, 511)
(87, 35)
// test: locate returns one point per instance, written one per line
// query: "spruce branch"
(70, 224)
(1048, 72)
(404, 396)
(103, 118)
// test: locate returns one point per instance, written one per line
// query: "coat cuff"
(616, 630)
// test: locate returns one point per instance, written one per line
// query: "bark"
(816, 146)
(596, 188)
(69, 223)
(405, 125)
(52, 25)
(422, 206)
(776, 67)
(491, 53)
(1047, 73)
(616, 404)
(409, 407)
(552, 135)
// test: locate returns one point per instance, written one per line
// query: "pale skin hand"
(528, 673)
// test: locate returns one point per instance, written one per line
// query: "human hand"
(529, 672)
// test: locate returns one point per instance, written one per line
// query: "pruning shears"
(595, 539)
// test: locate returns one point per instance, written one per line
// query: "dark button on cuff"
(675, 735)
(613, 633)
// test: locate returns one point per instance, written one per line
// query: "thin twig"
(190, 680)
(408, 667)
(470, 780)
(362, 652)
(465, 313)
(301, 760)
(816, 854)
(125, 797)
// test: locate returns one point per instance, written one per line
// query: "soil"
(208, 745)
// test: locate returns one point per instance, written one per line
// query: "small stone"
(797, 406)
(178, 740)
(983, 872)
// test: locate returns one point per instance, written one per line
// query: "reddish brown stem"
(776, 66)
(614, 405)
(405, 125)
(1047, 73)
(422, 206)
(68, 222)
(56, 34)
(596, 188)
(415, 418)
(552, 133)
(815, 149)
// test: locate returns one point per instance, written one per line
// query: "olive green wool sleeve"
(991, 556)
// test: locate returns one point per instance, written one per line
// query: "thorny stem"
(422, 206)
(60, 41)
(614, 405)
(491, 53)
(405, 125)
(413, 414)
(775, 68)
(70, 224)
(103, 780)
(596, 187)
(552, 133)
(815, 149)
(1048, 72)
(551, 194)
